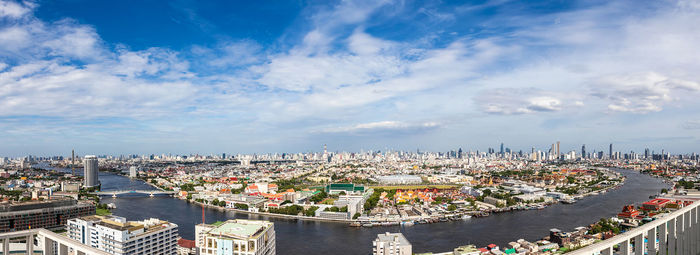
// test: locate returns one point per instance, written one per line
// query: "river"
(310, 237)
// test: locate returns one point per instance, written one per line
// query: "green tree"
(357, 215)
(451, 207)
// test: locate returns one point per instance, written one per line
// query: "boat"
(367, 225)
(568, 201)
(466, 217)
(355, 224)
(111, 206)
(407, 223)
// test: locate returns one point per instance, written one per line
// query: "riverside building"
(118, 236)
(50, 214)
(391, 244)
(236, 237)
(91, 171)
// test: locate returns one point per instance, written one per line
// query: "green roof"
(218, 223)
(510, 251)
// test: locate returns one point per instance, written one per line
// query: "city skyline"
(212, 77)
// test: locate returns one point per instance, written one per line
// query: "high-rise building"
(90, 167)
(133, 171)
(558, 151)
(646, 153)
(611, 152)
(391, 244)
(239, 237)
(502, 151)
(115, 235)
(583, 151)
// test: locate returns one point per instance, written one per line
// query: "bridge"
(150, 193)
(675, 233)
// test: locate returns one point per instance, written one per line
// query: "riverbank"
(417, 219)
(329, 238)
(276, 215)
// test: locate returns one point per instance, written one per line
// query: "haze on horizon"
(142, 77)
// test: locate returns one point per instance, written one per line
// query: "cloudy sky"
(117, 77)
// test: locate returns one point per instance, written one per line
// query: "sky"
(142, 77)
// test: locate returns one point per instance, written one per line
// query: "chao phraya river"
(310, 237)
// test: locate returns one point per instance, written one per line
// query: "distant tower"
(611, 152)
(558, 151)
(502, 152)
(583, 151)
(90, 175)
(72, 162)
(325, 153)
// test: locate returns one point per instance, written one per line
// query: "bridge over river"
(115, 193)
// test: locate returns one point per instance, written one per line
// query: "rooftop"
(240, 228)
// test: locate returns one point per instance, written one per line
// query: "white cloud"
(381, 126)
(9, 9)
(509, 101)
(640, 92)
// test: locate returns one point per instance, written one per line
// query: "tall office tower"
(391, 244)
(646, 153)
(236, 237)
(502, 151)
(90, 171)
(611, 152)
(115, 235)
(459, 153)
(72, 162)
(558, 151)
(583, 151)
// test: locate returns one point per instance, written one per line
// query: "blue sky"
(118, 77)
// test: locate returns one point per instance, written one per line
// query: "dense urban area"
(371, 189)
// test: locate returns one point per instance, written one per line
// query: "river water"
(310, 237)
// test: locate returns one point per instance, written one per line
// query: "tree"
(451, 207)
(664, 191)
(357, 215)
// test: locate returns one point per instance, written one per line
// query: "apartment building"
(118, 236)
(236, 237)
(391, 244)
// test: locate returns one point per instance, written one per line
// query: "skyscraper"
(583, 151)
(646, 153)
(558, 151)
(502, 151)
(90, 171)
(611, 152)
(72, 162)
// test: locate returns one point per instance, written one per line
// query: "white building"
(391, 244)
(399, 179)
(115, 235)
(236, 237)
(133, 172)
(91, 171)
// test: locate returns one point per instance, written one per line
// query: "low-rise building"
(50, 214)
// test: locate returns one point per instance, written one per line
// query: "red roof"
(189, 244)
(491, 246)
(657, 201)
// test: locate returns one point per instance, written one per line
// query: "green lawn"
(103, 212)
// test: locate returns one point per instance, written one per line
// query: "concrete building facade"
(115, 235)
